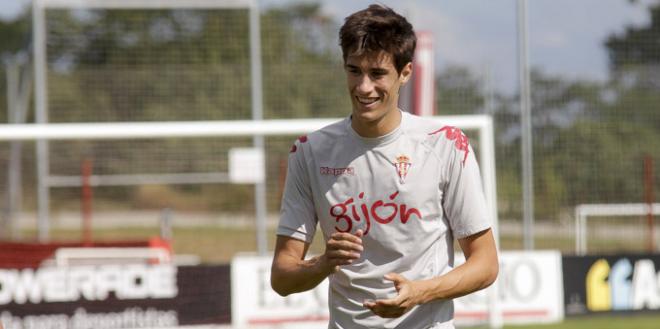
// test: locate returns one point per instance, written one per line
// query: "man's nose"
(364, 84)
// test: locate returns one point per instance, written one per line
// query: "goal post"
(41, 72)
(481, 124)
(584, 211)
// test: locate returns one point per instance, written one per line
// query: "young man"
(390, 192)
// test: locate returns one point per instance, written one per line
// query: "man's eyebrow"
(351, 66)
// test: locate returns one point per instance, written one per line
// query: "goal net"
(624, 225)
(221, 137)
(128, 61)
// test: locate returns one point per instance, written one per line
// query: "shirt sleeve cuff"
(292, 233)
(466, 232)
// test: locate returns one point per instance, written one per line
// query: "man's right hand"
(342, 249)
(291, 272)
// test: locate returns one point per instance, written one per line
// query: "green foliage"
(303, 69)
(156, 65)
(634, 105)
(602, 161)
(145, 65)
(459, 91)
(509, 191)
(638, 45)
(15, 36)
(549, 189)
(589, 142)
(557, 103)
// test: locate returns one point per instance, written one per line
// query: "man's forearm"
(478, 272)
(290, 275)
(464, 279)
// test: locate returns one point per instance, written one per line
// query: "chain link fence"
(590, 137)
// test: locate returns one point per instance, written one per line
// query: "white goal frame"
(39, 7)
(584, 211)
(483, 124)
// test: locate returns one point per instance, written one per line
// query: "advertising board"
(114, 296)
(530, 292)
(613, 283)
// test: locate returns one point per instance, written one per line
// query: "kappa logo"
(337, 171)
(461, 142)
(402, 166)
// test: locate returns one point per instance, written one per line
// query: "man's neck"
(378, 128)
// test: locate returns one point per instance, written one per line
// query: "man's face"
(373, 84)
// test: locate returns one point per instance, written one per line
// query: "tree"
(303, 68)
(634, 57)
(15, 36)
(637, 45)
(459, 91)
(635, 89)
(557, 104)
(146, 65)
(601, 162)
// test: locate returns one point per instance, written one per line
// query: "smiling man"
(390, 192)
(374, 83)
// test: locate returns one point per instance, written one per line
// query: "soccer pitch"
(650, 321)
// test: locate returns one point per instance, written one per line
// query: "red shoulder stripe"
(461, 141)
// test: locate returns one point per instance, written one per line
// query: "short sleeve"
(297, 215)
(464, 202)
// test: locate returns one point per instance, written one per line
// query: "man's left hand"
(407, 297)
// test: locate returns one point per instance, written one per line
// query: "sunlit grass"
(212, 244)
(218, 244)
(646, 321)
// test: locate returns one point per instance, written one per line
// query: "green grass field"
(645, 321)
(215, 244)
(211, 244)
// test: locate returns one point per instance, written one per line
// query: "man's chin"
(364, 116)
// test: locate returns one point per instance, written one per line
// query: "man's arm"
(291, 272)
(478, 272)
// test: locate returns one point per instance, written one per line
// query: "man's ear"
(406, 73)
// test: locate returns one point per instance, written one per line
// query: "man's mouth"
(367, 100)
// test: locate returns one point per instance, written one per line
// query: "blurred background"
(594, 90)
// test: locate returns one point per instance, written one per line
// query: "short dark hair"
(378, 28)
